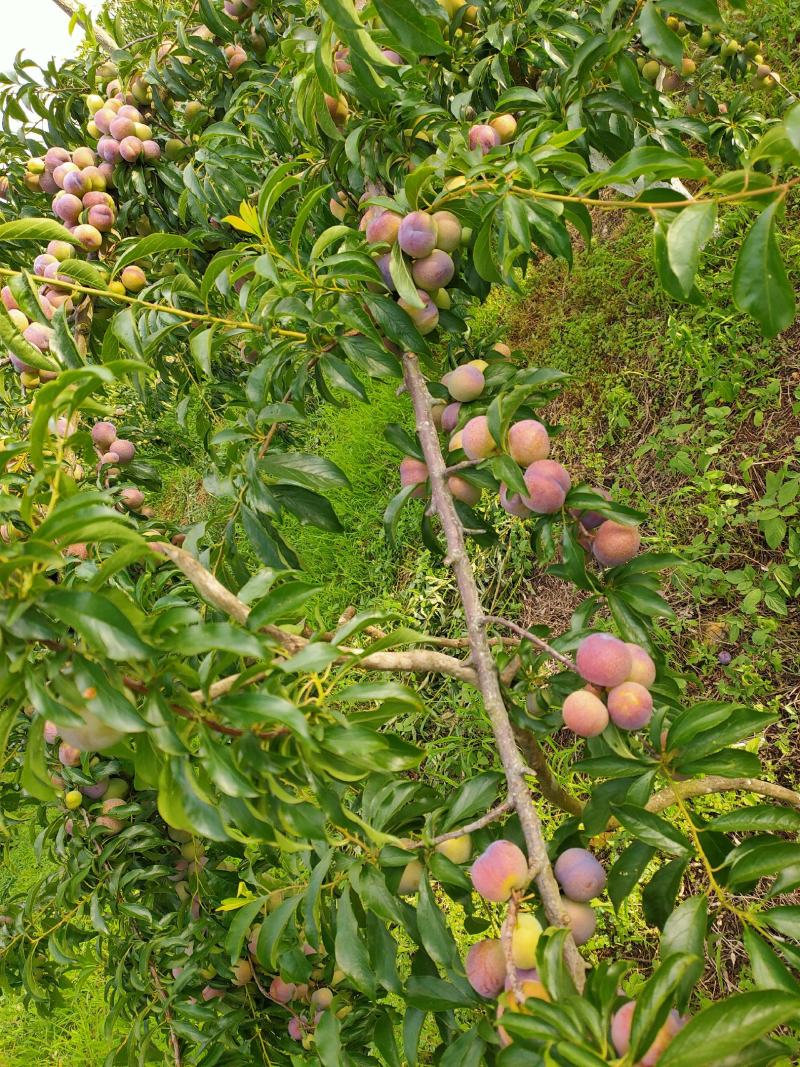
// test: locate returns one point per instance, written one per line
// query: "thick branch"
(548, 784)
(488, 681)
(414, 661)
(702, 787)
(105, 40)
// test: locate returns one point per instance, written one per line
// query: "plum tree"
(249, 214)
(579, 874)
(499, 870)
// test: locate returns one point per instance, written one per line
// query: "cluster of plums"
(36, 334)
(120, 129)
(528, 444)
(502, 870)
(105, 793)
(620, 675)
(79, 182)
(428, 242)
(306, 1002)
(488, 135)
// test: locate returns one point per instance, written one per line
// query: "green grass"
(70, 1035)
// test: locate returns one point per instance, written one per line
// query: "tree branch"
(485, 668)
(415, 661)
(105, 40)
(526, 635)
(701, 787)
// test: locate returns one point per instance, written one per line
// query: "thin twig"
(491, 816)
(162, 996)
(494, 620)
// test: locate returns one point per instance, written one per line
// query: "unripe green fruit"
(730, 48)
(705, 40)
(410, 878)
(751, 49)
(456, 849)
(688, 66)
(524, 940)
(651, 70)
(73, 799)
(175, 149)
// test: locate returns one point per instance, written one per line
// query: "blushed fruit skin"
(456, 849)
(584, 713)
(242, 972)
(603, 660)
(486, 967)
(414, 472)
(528, 441)
(549, 468)
(417, 234)
(476, 440)
(513, 504)
(463, 490)
(580, 874)
(582, 920)
(322, 997)
(615, 543)
(483, 137)
(499, 870)
(545, 495)
(524, 940)
(132, 498)
(383, 229)
(410, 878)
(124, 450)
(643, 670)
(450, 417)
(465, 383)
(630, 706)
(426, 318)
(103, 435)
(621, 1023)
(281, 991)
(434, 271)
(448, 230)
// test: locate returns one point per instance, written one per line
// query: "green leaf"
(413, 30)
(351, 952)
(685, 931)
(658, 37)
(309, 471)
(727, 1026)
(628, 870)
(271, 932)
(653, 1003)
(706, 12)
(284, 602)
(36, 230)
(763, 817)
(785, 919)
(686, 238)
(434, 994)
(652, 829)
(242, 921)
(401, 276)
(769, 971)
(761, 286)
(148, 246)
(98, 621)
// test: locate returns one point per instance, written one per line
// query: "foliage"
(231, 799)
